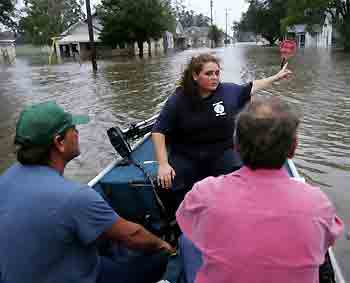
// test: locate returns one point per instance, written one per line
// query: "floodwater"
(129, 90)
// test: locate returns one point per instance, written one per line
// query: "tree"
(311, 12)
(263, 17)
(49, 18)
(126, 21)
(7, 9)
(190, 18)
(215, 34)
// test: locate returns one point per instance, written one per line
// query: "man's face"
(71, 144)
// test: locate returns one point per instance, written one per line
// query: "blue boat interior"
(129, 191)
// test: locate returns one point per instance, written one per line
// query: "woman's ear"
(194, 76)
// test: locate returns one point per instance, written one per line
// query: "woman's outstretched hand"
(284, 73)
(166, 175)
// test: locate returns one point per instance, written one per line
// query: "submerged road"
(129, 90)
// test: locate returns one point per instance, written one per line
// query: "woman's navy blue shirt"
(205, 130)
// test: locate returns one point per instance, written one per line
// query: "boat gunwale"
(114, 163)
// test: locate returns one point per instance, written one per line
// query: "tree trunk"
(140, 45)
(346, 36)
(149, 48)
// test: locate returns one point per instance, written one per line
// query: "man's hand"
(167, 248)
(166, 175)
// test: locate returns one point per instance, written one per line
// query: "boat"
(128, 185)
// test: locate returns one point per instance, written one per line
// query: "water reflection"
(129, 90)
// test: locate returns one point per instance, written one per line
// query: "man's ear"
(58, 142)
(293, 148)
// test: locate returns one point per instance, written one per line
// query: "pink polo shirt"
(258, 227)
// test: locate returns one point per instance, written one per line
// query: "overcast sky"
(235, 9)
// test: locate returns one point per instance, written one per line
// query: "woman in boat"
(197, 124)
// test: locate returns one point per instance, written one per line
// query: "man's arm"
(267, 82)
(134, 236)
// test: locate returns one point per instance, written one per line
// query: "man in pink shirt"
(257, 225)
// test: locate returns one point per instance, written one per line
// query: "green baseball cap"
(39, 123)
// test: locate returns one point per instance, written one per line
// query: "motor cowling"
(119, 142)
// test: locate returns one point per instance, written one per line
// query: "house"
(75, 42)
(197, 37)
(7, 47)
(159, 46)
(320, 36)
(246, 37)
(179, 37)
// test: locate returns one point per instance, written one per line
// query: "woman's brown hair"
(188, 84)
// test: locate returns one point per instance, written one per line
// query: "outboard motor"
(119, 142)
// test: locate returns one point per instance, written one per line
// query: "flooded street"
(130, 90)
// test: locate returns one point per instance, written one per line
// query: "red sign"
(288, 48)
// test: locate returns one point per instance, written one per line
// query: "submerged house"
(75, 42)
(179, 37)
(7, 47)
(320, 35)
(197, 37)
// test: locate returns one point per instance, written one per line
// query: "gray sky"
(235, 9)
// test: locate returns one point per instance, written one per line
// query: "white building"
(321, 36)
(75, 41)
(7, 48)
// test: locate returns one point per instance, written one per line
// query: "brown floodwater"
(129, 90)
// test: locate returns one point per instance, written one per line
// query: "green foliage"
(49, 18)
(311, 12)
(263, 17)
(190, 18)
(7, 9)
(215, 34)
(126, 21)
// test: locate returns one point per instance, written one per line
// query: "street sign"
(287, 49)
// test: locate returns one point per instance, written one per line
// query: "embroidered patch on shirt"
(219, 108)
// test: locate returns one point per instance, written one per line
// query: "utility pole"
(211, 23)
(226, 14)
(91, 36)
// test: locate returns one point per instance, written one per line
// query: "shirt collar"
(264, 173)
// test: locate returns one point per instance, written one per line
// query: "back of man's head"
(36, 129)
(266, 133)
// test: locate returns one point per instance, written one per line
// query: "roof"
(79, 32)
(9, 36)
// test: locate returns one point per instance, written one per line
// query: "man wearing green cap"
(50, 226)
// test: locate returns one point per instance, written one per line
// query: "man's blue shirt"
(49, 226)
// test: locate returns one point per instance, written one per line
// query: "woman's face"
(209, 77)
